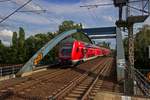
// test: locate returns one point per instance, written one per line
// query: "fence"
(10, 69)
(141, 82)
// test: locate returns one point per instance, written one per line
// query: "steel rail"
(105, 69)
(73, 84)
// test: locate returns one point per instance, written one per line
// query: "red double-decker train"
(78, 51)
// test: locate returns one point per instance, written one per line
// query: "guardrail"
(140, 81)
(10, 69)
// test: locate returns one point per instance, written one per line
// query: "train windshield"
(66, 51)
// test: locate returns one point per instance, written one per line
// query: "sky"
(56, 12)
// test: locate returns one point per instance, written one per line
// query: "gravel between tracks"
(41, 85)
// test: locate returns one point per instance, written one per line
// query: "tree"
(14, 40)
(141, 43)
(34, 43)
(1, 44)
(21, 39)
(68, 25)
(21, 50)
(1, 51)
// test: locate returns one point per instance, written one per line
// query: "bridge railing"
(141, 83)
(9, 70)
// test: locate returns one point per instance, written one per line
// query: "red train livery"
(78, 51)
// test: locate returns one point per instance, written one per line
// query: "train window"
(66, 52)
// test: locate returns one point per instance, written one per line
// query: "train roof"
(70, 40)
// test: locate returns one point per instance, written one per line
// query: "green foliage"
(81, 37)
(141, 42)
(23, 49)
(1, 51)
(34, 43)
(68, 25)
(21, 39)
(14, 40)
(15, 53)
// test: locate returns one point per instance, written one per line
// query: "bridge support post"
(120, 56)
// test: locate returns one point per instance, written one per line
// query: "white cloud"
(56, 14)
(6, 32)
(74, 8)
(6, 36)
(31, 19)
(111, 41)
(109, 18)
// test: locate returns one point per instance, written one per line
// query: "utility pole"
(128, 84)
(129, 81)
(129, 23)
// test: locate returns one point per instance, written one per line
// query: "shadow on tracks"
(58, 66)
(110, 78)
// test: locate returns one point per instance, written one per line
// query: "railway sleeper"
(82, 87)
(74, 95)
(76, 91)
(5, 94)
(69, 98)
(27, 97)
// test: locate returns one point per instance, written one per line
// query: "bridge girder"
(109, 36)
(29, 66)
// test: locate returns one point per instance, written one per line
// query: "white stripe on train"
(85, 59)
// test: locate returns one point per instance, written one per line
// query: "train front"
(65, 53)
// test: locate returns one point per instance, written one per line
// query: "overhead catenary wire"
(18, 10)
(15, 11)
(32, 11)
(4, 0)
(92, 14)
(108, 4)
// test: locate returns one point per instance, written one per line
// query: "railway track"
(24, 85)
(84, 88)
(58, 83)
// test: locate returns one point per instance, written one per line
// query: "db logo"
(38, 58)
